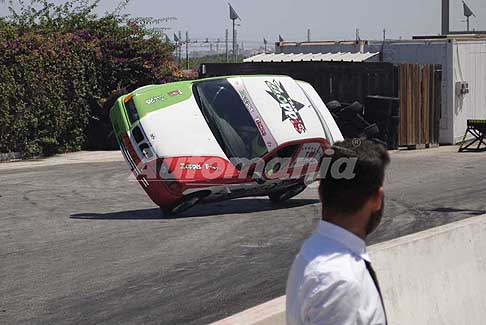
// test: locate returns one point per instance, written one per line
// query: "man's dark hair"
(348, 196)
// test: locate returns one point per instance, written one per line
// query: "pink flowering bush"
(60, 68)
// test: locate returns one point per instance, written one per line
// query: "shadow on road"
(203, 210)
(453, 210)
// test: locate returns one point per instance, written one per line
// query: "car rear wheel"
(286, 194)
(184, 204)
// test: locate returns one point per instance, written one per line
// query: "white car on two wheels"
(223, 138)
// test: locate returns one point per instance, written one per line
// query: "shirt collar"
(344, 237)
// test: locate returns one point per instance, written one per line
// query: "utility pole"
(187, 50)
(226, 41)
(382, 52)
(180, 47)
(308, 35)
(176, 42)
(265, 45)
(445, 16)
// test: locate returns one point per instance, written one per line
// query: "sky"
(328, 20)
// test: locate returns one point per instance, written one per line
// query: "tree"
(60, 66)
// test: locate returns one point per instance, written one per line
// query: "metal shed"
(314, 57)
(463, 61)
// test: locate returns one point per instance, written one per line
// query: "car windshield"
(229, 119)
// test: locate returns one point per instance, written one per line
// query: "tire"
(371, 131)
(346, 114)
(379, 141)
(334, 106)
(359, 123)
(287, 194)
(354, 108)
(184, 204)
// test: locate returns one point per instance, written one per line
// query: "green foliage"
(60, 65)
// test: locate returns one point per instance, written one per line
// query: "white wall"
(470, 66)
(435, 277)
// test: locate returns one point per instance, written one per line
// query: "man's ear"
(377, 199)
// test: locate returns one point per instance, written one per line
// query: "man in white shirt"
(331, 280)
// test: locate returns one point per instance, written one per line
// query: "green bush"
(60, 67)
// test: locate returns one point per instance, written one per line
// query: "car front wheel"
(183, 204)
(286, 194)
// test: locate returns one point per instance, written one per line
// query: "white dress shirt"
(329, 283)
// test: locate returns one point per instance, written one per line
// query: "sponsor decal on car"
(246, 100)
(153, 100)
(260, 126)
(185, 166)
(175, 93)
(190, 166)
(290, 107)
(211, 167)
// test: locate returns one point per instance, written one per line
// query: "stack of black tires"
(377, 120)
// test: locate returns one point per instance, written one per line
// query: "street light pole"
(233, 17)
(234, 41)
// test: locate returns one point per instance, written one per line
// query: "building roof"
(307, 57)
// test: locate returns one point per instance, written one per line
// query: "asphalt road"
(80, 243)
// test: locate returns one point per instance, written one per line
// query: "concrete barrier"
(435, 277)
(269, 313)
